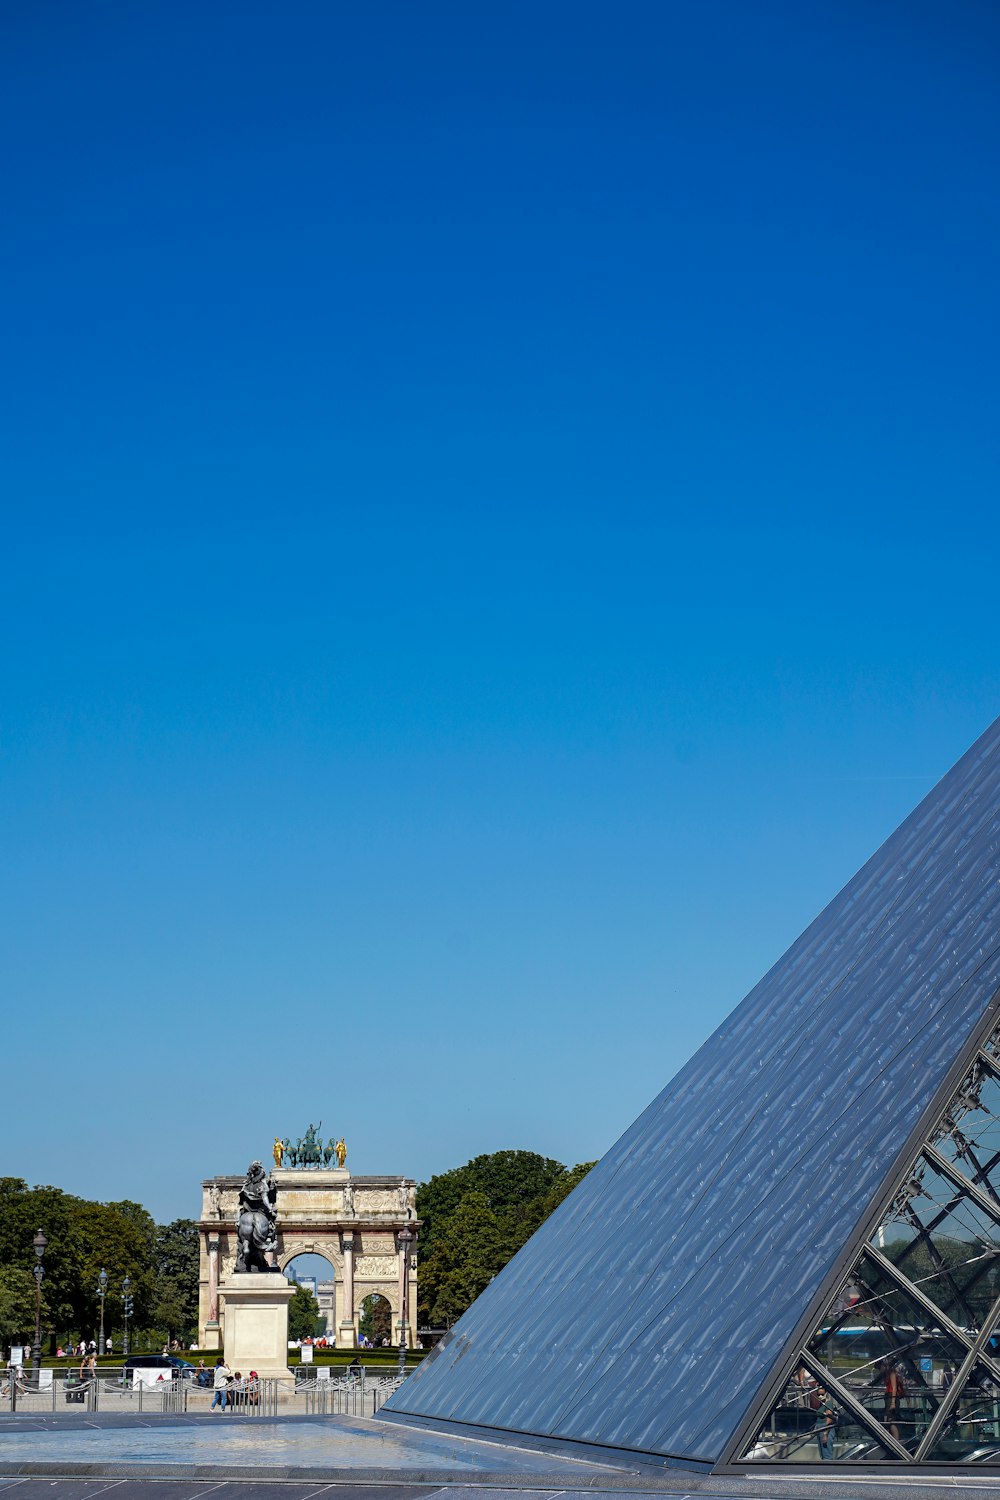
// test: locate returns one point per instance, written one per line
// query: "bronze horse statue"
(256, 1234)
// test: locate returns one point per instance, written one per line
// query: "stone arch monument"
(355, 1222)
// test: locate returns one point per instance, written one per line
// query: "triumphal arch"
(322, 1209)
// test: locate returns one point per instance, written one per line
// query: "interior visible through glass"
(905, 1363)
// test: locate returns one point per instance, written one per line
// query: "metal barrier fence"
(359, 1393)
(68, 1392)
(349, 1396)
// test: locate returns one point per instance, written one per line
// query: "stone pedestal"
(213, 1335)
(256, 1322)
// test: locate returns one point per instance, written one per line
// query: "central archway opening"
(375, 1322)
(314, 1278)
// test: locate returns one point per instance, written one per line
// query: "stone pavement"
(303, 1458)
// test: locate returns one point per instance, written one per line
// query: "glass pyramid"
(828, 1161)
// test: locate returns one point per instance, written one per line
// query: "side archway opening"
(375, 1322)
(312, 1312)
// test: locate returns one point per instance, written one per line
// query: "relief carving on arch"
(378, 1244)
(380, 1266)
(376, 1201)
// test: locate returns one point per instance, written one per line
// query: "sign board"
(45, 1380)
(306, 1354)
(16, 1354)
(926, 1366)
(150, 1375)
(322, 1372)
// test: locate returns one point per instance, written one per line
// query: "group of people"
(84, 1348)
(229, 1387)
(811, 1393)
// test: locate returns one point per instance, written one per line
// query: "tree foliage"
(375, 1322)
(474, 1218)
(17, 1304)
(303, 1312)
(176, 1254)
(84, 1238)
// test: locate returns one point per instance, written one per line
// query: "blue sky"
(500, 522)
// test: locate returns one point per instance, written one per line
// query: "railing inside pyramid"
(904, 1364)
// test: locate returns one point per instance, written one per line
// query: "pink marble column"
(346, 1332)
(213, 1278)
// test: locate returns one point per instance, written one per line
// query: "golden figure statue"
(341, 1150)
(279, 1150)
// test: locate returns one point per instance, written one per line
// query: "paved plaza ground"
(343, 1458)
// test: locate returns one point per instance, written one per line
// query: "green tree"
(375, 1322)
(171, 1310)
(17, 1303)
(25, 1210)
(176, 1250)
(303, 1312)
(82, 1236)
(469, 1251)
(141, 1221)
(509, 1181)
(175, 1300)
(119, 1242)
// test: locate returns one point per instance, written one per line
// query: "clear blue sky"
(500, 521)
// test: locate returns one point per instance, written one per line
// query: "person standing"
(895, 1390)
(219, 1382)
(826, 1424)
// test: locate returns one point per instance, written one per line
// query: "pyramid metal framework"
(793, 1255)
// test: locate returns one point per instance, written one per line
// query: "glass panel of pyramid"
(971, 1432)
(808, 1425)
(661, 1309)
(910, 1337)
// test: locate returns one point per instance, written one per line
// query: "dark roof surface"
(648, 1311)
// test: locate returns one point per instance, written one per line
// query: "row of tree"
(474, 1219)
(160, 1260)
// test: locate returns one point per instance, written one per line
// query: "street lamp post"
(127, 1304)
(102, 1289)
(39, 1243)
(406, 1238)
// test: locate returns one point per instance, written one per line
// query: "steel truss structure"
(793, 1255)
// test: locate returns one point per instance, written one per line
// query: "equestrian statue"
(256, 1228)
